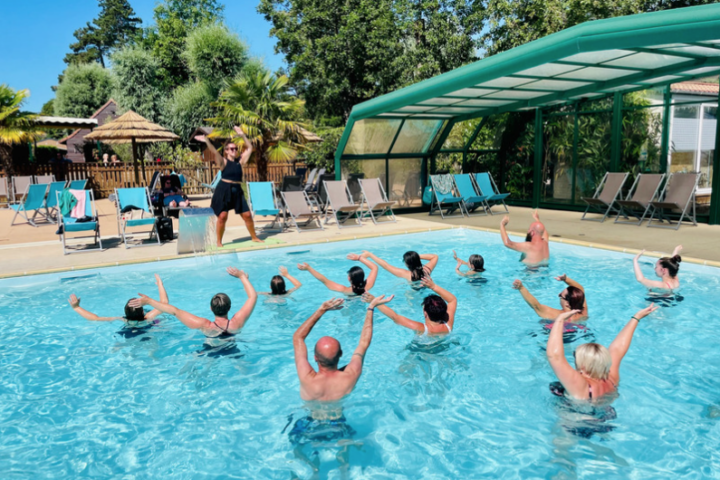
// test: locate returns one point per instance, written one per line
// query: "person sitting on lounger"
(597, 369)
(666, 269)
(439, 310)
(356, 276)
(134, 315)
(572, 298)
(475, 264)
(413, 261)
(535, 250)
(277, 284)
(220, 305)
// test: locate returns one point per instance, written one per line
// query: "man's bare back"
(536, 249)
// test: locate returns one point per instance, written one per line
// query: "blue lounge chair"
(486, 186)
(51, 203)
(443, 196)
(69, 224)
(139, 199)
(212, 186)
(77, 184)
(34, 200)
(471, 201)
(263, 202)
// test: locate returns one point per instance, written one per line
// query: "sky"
(36, 35)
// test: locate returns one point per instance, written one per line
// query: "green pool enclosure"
(549, 118)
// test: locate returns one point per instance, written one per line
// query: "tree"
(137, 82)
(84, 89)
(113, 28)
(262, 107)
(48, 108)
(213, 54)
(188, 108)
(16, 126)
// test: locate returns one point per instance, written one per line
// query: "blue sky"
(36, 35)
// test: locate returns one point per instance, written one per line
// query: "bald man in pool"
(535, 250)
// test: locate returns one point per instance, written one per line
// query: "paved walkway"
(25, 249)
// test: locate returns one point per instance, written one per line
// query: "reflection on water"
(220, 347)
(667, 299)
(572, 332)
(582, 418)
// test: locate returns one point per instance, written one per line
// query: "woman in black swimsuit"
(229, 194)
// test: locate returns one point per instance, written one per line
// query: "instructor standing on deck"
(229, 194)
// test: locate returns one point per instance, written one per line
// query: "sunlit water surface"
(89, 399)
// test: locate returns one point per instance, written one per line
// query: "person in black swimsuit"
(229, 194)
(220, 305)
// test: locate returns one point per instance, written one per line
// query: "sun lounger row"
(14, 189)
(465, 193)
(40, 199)
(645, 197)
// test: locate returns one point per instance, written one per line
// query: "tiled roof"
(696, 88)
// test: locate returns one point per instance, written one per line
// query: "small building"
(78, 149)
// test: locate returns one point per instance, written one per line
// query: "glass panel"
(595, 74)
(460, 134)
(704, 51)
(364, 169)
(405, 185)
(439, 101)
(647, 60)
(471, 92)
(548, 70)
(597, 57)
(555, 85)
(684, 138)
(700, 71)
(452, 110)
(605, 103)
(371, 136)
(483, 103)
(505, 82)
(518, 94)
(662, 79)
(593, 153)
(448, 163)
(707, 146)
(416, 135)
(491, 133)
(557, 159)
(413, 109)
(519, 169)
(641, 137)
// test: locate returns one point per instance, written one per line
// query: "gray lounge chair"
(5, 191)
(44, 178)
(377, 202)
(299, 208)
(637, 204)
(339, 204)
(678, 194)
(19, 187)
(606, 194)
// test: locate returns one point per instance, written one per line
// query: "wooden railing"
(104, 180)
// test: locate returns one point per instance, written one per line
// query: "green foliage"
(213, 53)
(48, 108)
(16, 126)
(84, 89)
(178, 154)
(188, 108)
(137, 82)
(322, 154)
(114, 27)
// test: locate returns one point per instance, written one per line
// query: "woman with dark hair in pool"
(571, 299)
(277, 284)
(134, 315)
(439, 311)
(356, 276)
(475, 264)
(597, 369)
(413, 261)
(666, 269)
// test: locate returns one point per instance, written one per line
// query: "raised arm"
(572, 283)
(335, 287)
(449, 298)
(677, 250)
(570, 378)
(240, 318)
(621, 344)
(641, 278)
(520, 247)
(395, 317)
(163, 298)
(247, 153)
(358, 356)
(304, 369)
(398, 272)
(372, 276)
(75, 304)
(296, 283)
(188, 319)
(536, 217)
(543, 311)
(219, 160)
(432, 260)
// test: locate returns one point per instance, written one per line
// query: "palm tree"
(15, 126)
(260, 104)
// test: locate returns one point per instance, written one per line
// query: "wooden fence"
(104, 180)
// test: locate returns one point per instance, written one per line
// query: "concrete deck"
(26, 250)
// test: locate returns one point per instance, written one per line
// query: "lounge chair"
(339, 204)
(353, 184)
(44, 178)
(78, 184)
(606, 194)
(33, 200)
(69, 224)
(313, 186)
(213, 185)
(5, 191)
(299, 208)
(320, 194)
(310, 179)
(373, 195)
(443, 196)
(19, 187)
(139, 199)
(301, 171)
(487, 186)
(263, 202)
(291, 183)
(471, 200)
(51, 202)
(643, 191)
(678, 194)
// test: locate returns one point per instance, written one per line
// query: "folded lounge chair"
(299, 208)
(606, 194)
(319, 196)
(19, 187)
(130, 199)
(69, 224)
(33, 200)
(643, 191)
(313, 185)
(471, 200)
(310, 179)
(263, 202)
(678, 194)
(291, 183)
(213, 185)
(443, 196)
(339, 204)
(486, 186)
(373, 195)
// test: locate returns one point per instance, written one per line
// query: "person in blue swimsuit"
(220, 305)
(229, 193)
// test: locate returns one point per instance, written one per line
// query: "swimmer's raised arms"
(535, 249)
(413, 262)
(572, 298)
(666, 268)
(277, 283)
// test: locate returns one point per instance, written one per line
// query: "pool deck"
(26, 250)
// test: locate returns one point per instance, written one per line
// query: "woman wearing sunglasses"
(571, 299)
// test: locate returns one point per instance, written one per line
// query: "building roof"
(93, 116)
(51, 142)
(696, 88)
(65, 122)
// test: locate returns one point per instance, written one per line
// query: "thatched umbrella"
(132, 128)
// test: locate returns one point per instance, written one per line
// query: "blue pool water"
(87, 399)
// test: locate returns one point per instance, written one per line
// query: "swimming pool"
(88, 399)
